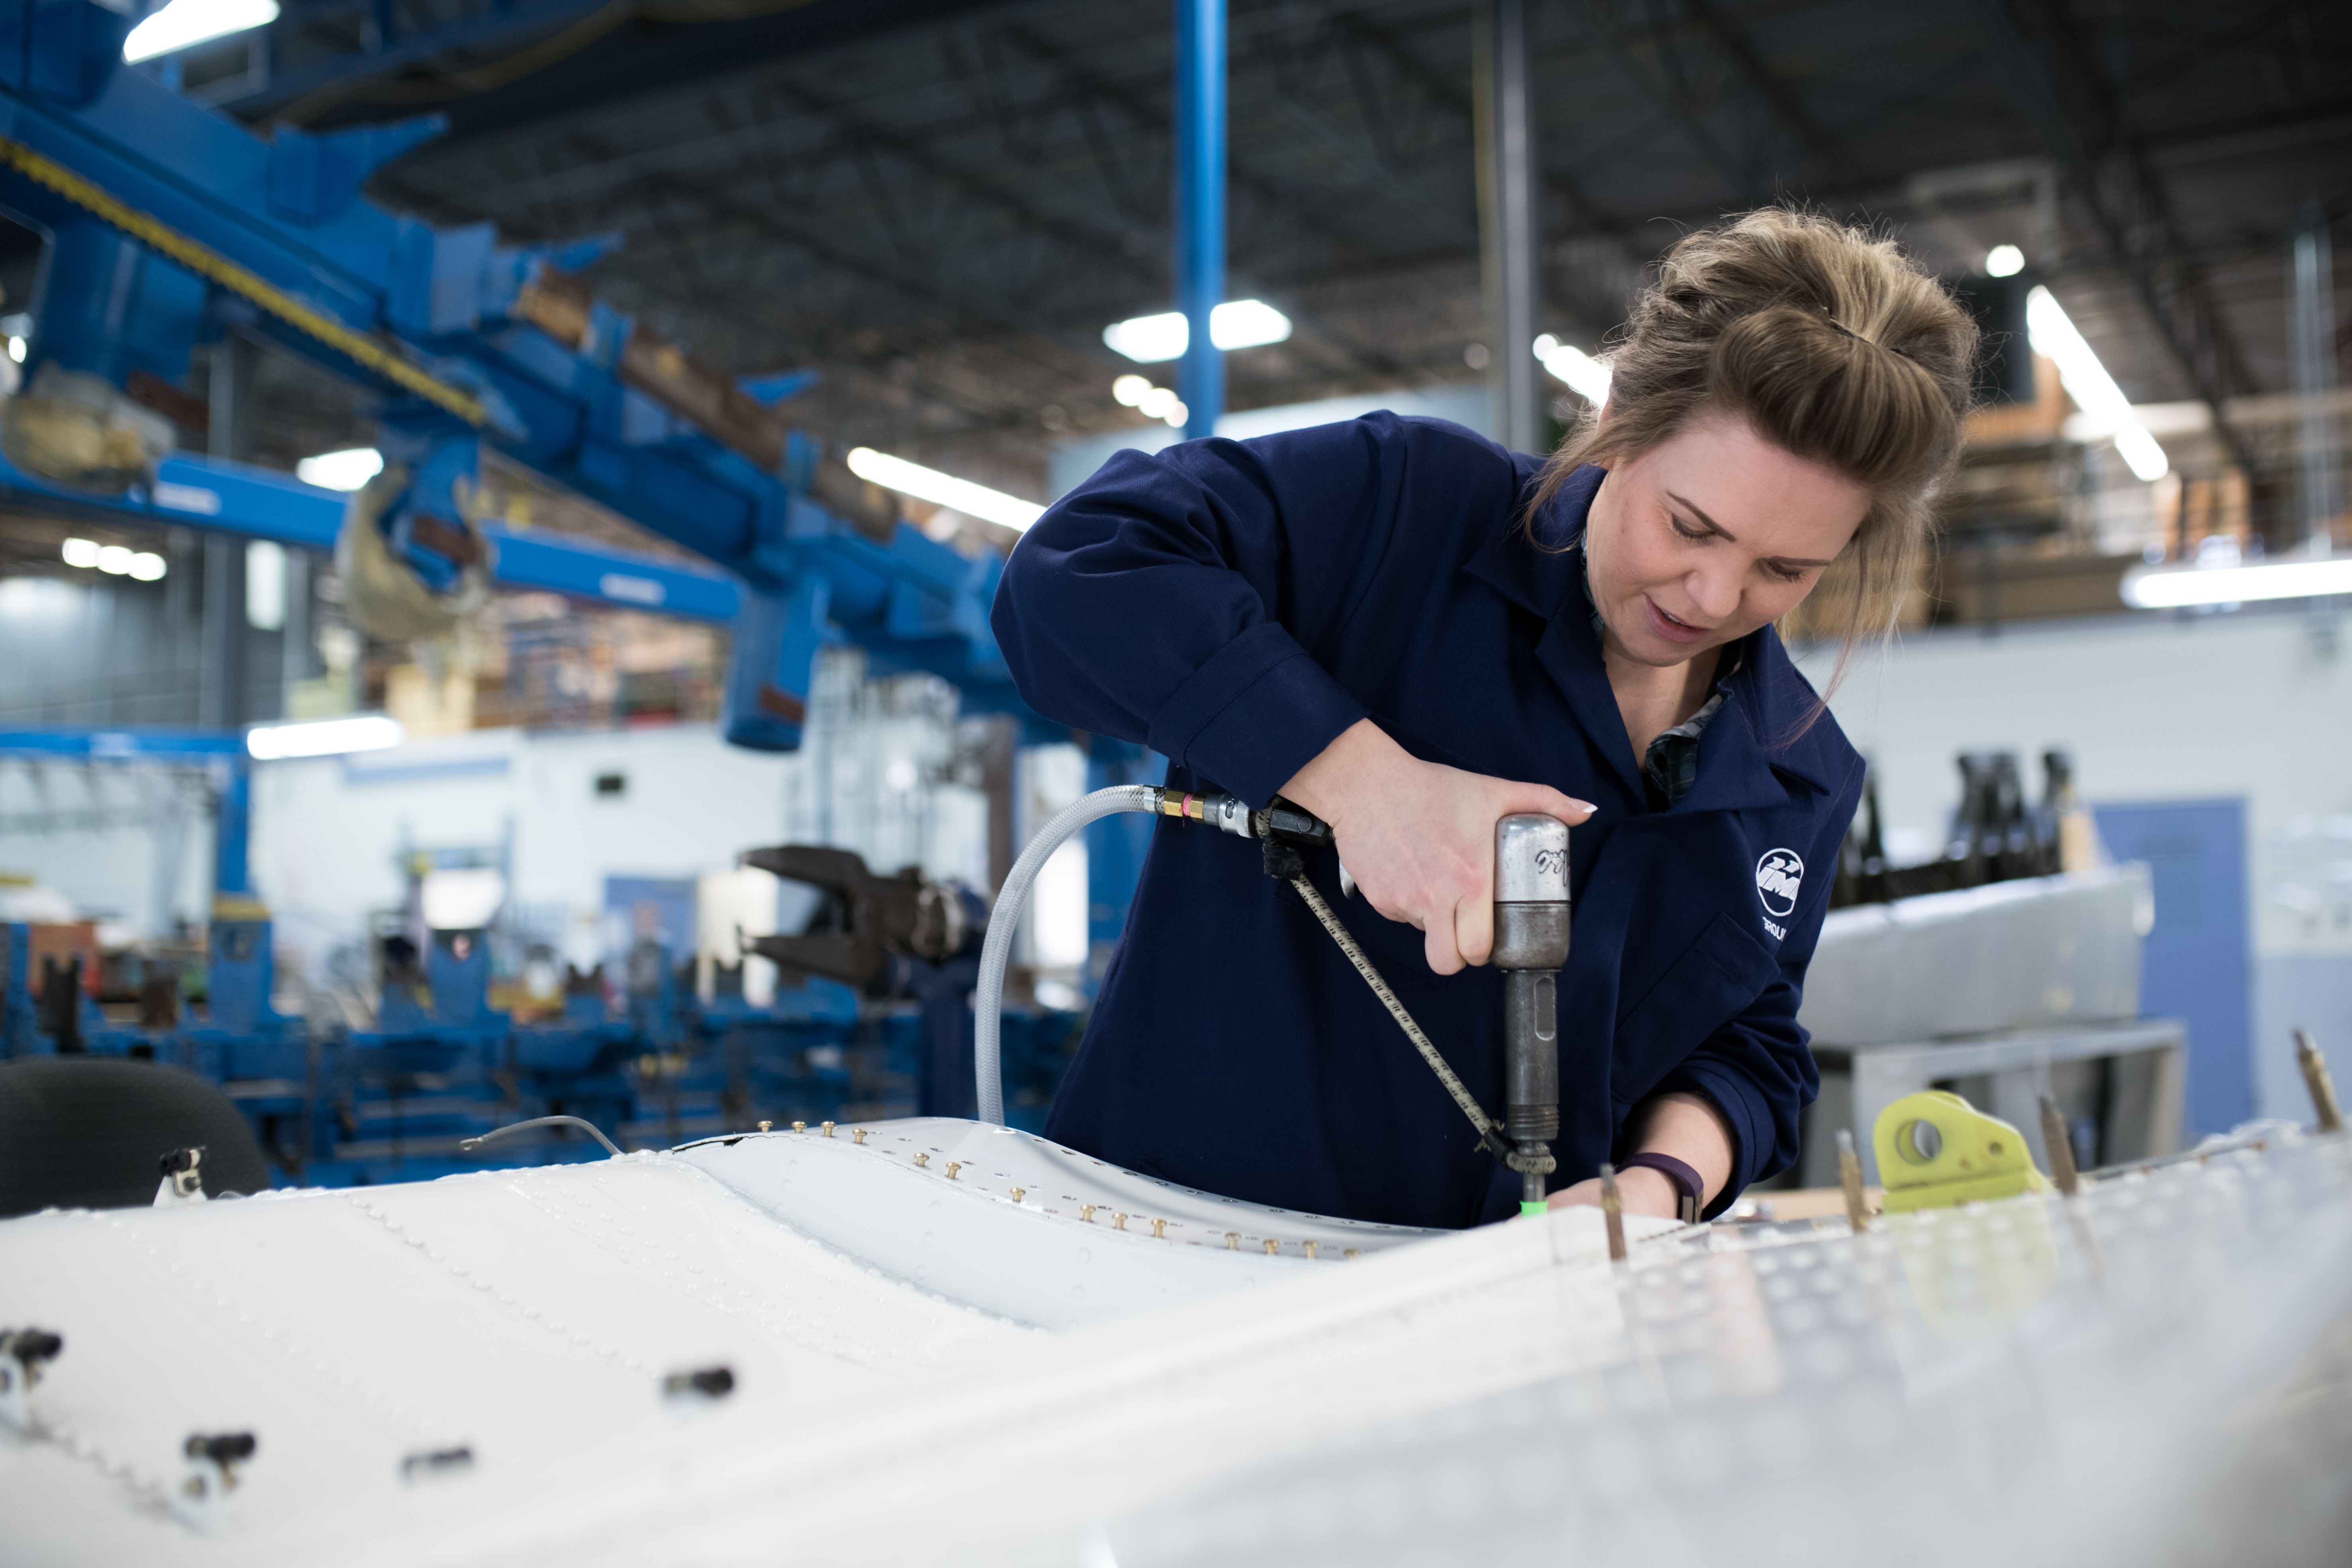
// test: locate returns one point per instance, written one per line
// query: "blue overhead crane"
(169, 224)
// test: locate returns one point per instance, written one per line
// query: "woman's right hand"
(1419, 837)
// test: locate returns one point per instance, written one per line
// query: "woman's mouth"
(1668, 627)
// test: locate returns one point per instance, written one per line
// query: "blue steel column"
(233, 824)
(1201, 205)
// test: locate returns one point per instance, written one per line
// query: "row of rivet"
(612, 1356)
(1087, 1211)
(295, 1351)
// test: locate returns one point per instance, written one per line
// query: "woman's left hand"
(1642, 1191)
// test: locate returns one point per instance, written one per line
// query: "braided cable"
(1437, 1063)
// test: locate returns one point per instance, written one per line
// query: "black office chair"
(84, 1132)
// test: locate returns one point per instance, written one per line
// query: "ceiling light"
(1131, 390)
(1235, 324)
(114, 559)
(2004, 262)
(1571, 365)
(185, 22)
(146, 566)
(944, 490)
(323, 737)
(16, 350)
(2170, 588)
(2088, 383)
(345, 471)
(82, 553)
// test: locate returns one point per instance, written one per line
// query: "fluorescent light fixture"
(1152, 402)
(1235, 324)
(463, 898)
(2089, 384)
(2170, 588)
(344, 470)
(185, 22)
(265, 585)
(323, 737)
(147, 566)
(1586, 376)
(82, 553)
(2004, 262)
(945, 489)
(16, 350)
(114, 560)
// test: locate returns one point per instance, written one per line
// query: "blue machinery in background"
(169, 227)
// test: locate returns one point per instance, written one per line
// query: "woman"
(1411, 632)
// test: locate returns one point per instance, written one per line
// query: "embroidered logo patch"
(1778, 876)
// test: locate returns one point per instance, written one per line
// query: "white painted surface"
(1770, 1396)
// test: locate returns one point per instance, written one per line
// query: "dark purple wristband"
(1685, 1181)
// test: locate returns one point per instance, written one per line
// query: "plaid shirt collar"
(1671, 766)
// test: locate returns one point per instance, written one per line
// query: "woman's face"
(1708, 536)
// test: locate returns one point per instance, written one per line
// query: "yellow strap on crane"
(210, 263)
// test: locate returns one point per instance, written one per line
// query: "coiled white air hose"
(1004, 924)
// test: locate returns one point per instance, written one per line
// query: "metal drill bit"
(2315, 1077)
(2061, 1144)
(1857, 1213)
(1612, 1211)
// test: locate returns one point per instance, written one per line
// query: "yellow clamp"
(1936, 1151)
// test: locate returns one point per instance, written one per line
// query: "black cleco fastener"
(221, 1448)
(710, 1382)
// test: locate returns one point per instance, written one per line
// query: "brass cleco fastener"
(1232, 1241)
(766, 1126)
(799, 1126)
(857, 1135)
(1018, 1192)
(1272, 1246)
(827, 1128)
(922, 1159)
(954, 1166)
(1087, 1212)
(1352, 1253)
(1310, 1249)
(1118, 1222)
(1159, 1227)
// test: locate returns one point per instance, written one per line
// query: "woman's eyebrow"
(1712, 526)
(1726, 534)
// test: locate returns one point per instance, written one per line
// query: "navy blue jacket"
(1236, 606)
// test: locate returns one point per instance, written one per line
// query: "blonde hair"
(1833, 345)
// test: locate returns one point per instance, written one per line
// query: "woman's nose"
(1714, 595)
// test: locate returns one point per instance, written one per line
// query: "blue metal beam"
(257, 504)
(222, 751)
(1201, 205)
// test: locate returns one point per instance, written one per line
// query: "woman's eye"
(1786, 573)
(1683, 529)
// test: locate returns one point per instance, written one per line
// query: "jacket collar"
(1741, 767)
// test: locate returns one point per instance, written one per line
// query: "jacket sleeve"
(1172, 599)
(1757, 1069)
